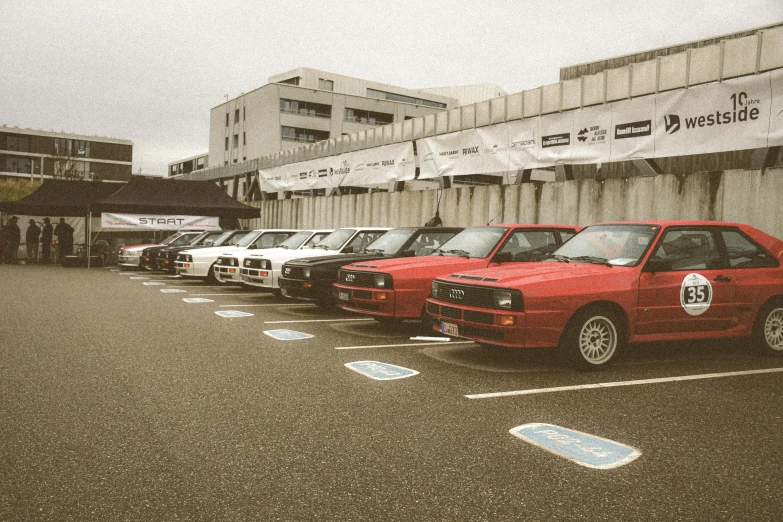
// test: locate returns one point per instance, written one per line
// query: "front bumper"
(259, 277)
(370, 301)
(307, 289)
(131, 262)
(478, 324)
(228, 274)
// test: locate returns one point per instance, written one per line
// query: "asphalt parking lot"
(121, 401)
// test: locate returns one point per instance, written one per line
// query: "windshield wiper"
(321, 246)
(456, 252)
(593, 259)
(557, 257)
(374, 251)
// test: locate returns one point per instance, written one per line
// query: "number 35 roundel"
(695, 294)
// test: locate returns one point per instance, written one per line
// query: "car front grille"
(356, 278)
(478, 296)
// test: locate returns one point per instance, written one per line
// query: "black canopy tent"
(171, 196)
(61, 198)
(138, 196)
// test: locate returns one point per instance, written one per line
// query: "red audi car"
(620, 283)
(390, 290)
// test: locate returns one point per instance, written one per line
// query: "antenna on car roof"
(435, 221)
(494, 218)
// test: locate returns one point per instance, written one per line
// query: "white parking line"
(396, 345)
(273, 304)
(535, 391)
(316, 321)
(230, 293)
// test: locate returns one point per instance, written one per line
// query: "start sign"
(157, 222)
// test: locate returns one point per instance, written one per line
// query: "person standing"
(14, 237)
(64, 233)
(3, 240)
(46, 241)
(31, 238)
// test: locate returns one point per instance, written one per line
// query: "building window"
(236, 140)
(373, 93)
(303, 135)
(244, 113)
(173, 170)
(226, 119)
(305, 108)
(236, 116)
(244, 138)
(368, 117)
(66, 147)
(226, 142)
(292, 81)
(325, 85)
(199, 163)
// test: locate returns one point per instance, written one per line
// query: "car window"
(524, 245)
(427, 242)
(271, 239)
(565, 235)
(182, 240)
(689, 250)
(744, 253)
(315, 239)
(616, 244)
(473, 242)
(362, 239)
(391, 241)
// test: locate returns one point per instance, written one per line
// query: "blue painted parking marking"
(198, 300)
(583, 449)
(232, 313)
(172, 291)
(287, 335)
(152, 283)
(381, 371)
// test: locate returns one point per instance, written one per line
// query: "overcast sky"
(149, 71)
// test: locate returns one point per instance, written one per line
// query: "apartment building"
(39, 155)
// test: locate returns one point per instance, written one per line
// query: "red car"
(396, 289)
(624, 282)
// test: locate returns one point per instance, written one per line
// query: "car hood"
(211, 251)
(544, 273)
(138, 248)
(404, 264)
(342, 259)
(284, 255)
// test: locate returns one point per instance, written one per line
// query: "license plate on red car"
(344, 296)
(449, 329)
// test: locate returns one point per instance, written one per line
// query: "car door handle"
(724, 279)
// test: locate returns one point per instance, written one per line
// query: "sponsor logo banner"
(631, 137)
(111, 221)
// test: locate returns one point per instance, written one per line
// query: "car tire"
(592, 338)
(211, 279)
(768, 330)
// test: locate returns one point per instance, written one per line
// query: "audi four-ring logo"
(350, 278)
(456, 293)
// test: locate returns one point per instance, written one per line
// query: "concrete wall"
(746, 196)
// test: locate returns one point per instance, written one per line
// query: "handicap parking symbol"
(231, 314)
(286, 335)
(197, 300)
(172, 290)
(381, 371)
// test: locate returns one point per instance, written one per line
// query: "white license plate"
(450, 329)
(245, 278)
(344, 296)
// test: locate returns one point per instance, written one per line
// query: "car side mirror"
(658, 265)
(409, 253)
(503, 257)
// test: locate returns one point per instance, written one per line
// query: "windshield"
(472, 242)
(295, 241)
(206, 237)
(244, 241)
(222, 238)
(390, 242)
(622, 245)
(196, 240)
(315, 239)
(336, 239)
(182, 240)
(169, 239)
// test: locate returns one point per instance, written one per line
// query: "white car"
(262, 270)
(130, 256)
(227, 269)
(199, 263)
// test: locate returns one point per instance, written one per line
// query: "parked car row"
(587, 292)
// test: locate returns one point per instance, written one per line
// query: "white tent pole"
(88, 228)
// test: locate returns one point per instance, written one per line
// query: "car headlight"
(503, 299)
(381, 281)
(434, 289)
(266, 264)
(306, 273)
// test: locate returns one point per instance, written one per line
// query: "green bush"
(13, 190)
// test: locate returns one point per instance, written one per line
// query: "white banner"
(743, 113)
(157, 222)
(364, 168)
(731, 115)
